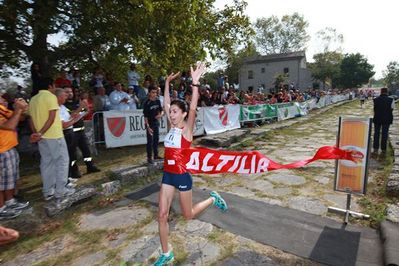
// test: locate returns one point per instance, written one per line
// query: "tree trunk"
(43, 13)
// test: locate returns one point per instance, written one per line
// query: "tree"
(236, 60)
(288, 35)
(326, 67)
(159, 34)
(355, 71)
(391, 75)
(280, 80)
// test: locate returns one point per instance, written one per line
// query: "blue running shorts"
(183, 182)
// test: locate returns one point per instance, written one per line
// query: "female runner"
(180, 135)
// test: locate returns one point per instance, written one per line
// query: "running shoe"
(16, 205)
(72, 180)
(71, 185)
(69, 192)
(165, 260)
(7, 213)
(219, 202)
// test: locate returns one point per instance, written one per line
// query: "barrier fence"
(117, 129)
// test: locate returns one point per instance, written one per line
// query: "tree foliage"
(288, 35)
(159, 34)
(329, 40)
(326, 67)
(355, 71)
(391, 74)
(236, 60)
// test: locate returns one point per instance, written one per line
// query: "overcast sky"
(368, 27)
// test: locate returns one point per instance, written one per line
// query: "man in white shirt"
(119, 99)
(67, 121)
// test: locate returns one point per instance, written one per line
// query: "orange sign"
(353, 134)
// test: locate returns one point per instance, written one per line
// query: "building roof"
(275, 57)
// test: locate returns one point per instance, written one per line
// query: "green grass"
(39, 229)
(374, 203)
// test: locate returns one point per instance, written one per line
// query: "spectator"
(273, 99)
(187, 98)
(205, 98)
(79, 133)
(362, 97)
(174, 95)
(75, 79)
(67, 121)
(134, 101)
(143, 91)
(9, 158)
(160, 96)
(88, 98)
(226, 83)
(7, 97)
(101, 101)
(181, 91)
(36, 75)
(220, 80)
(97, 80)
(20, 93)
(232, 98)
(62, 81)
(153, 112)
(241, 96)
(133, 78)
(214, 98)
(221, 96)
(383, 118)
(119, 99)
(47, 131)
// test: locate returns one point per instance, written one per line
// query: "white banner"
(312, 103)
(302, 108)
(127, 128)
(218, 119)
(287, 111)
(199, 129)
(321, 103)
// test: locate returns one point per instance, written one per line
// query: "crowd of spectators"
(103, 93)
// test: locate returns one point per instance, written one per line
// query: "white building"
(262, 71)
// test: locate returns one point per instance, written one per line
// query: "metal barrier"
(98, 128)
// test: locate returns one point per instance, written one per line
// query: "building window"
(250, 74)
(262, 70)
(286, 70)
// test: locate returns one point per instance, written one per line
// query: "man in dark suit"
(383, 117)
